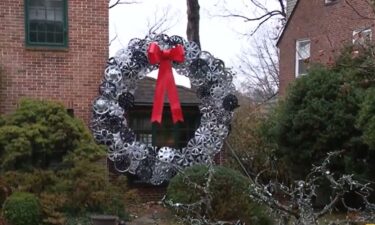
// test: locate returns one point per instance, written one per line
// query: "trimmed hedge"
(22, 208)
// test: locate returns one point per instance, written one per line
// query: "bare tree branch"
(121, 2)
(265, 13)
(161, 22)
(261, 70)
(113, 39)
(250, 19)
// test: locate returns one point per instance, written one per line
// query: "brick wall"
(70, 75)
(329, 27)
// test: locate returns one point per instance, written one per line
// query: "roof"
(287, 22)
(289, 7)
(144, 95)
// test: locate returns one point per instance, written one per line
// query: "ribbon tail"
(157, 108)
(174, 101)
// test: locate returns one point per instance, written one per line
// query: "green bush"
(46, 152)
(229, 192)
(39, 134)
(89, 191)
(80, 189)
(366, 121)
(22, 209)
(318, 116)
(366, 118)
(35, 181)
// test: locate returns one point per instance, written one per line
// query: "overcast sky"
(222, 37)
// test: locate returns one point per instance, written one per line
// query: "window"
(362, 36)
(142, 128)
(46, 23)
(327, 2)
(165, 134)
(302, 56)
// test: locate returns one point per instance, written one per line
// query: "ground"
(151, 213)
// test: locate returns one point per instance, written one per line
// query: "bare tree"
(259, 62)
(261, 70)
(262, 13)
(192, 31)
(290, 204)
(297, 200)
(162, 21)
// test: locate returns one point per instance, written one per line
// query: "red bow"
(165, 81)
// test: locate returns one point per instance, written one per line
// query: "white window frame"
(297, 58)
(327, 2)
(363, 31)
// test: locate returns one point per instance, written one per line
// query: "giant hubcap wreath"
(154, 165)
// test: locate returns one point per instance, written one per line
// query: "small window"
(46, 23)
(142, 128)
(362, 36)
(70, 112)
(327, 2)
(302, 56)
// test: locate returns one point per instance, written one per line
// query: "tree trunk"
(192, 30)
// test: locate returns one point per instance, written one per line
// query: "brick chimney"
(289, 7)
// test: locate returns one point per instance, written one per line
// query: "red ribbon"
(165, 81)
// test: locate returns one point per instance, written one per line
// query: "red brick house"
(52, 49)
(317, 29)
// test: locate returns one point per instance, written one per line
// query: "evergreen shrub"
(229, 192)
(22, 209)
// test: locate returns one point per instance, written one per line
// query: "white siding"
(289, 7)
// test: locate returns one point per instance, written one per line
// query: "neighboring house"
(52, 49)
(316, 30)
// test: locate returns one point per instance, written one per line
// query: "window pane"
(50, 27)
(41, 37)
(302, 67)
(54, 11)
(164, 133)
(33, 36)
(36, 2)
(145, 139)
(50, 37)
(41, 27)
(303, 49)
(37, 13)
(362, 36)
(33, 26)
(59, 37)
